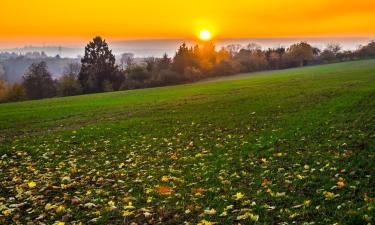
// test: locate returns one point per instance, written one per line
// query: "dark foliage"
(38, 82)
(98, 69)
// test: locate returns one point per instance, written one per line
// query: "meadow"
(293, 146)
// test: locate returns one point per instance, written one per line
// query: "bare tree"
(127, 60)
(253, 47)
(233, 48)
(150, 63)
(72, 69)
(334, 48)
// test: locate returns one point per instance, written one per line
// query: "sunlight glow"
(205, 35)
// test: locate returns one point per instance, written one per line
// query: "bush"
(3, 87)
(68, 85)
(12, 93)
(166, 77)
(227, 67)
(192, 73)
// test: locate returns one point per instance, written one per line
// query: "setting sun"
(205, 35)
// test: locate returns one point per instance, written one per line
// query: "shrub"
(12, 93)
(68, 85)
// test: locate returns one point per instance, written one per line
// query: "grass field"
(283, 147)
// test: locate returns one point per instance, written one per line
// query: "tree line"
(98, 71)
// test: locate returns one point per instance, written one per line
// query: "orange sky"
(51, 21)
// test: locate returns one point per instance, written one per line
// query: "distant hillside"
(15, 67)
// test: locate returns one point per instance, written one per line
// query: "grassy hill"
(269, 148)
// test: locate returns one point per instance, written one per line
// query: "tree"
(253, 47)
(164, 63)
(233, 49)
(300, 54)
(335, 48)
(275, 57)
(72, 69)
(150, 64)
(251, 60)
(98, 67)
(38, 81)
(205, 57)
(138, 73)
(367, 50)
(331, 52)
(68, 85)
(2, 73)
(127, 60)
(182, 59)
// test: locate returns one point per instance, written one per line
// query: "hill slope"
(282, 146)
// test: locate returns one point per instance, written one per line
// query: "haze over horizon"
(157, 47)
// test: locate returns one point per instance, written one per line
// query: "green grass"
(298, 144)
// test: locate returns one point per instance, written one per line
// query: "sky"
(74, 21)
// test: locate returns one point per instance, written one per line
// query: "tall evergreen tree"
(182, 59)
(98, 67)
(164, 63)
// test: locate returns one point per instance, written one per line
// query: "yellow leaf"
(248, 215)
(329, 195)
(238, 196)
(165, 179)
(307, 203)
(111, 203)
(31, 184)
(210, 211)
(60, 209)
(126, 213)
(205, 222)
(7, 212)
(59, 223)
(129, 206)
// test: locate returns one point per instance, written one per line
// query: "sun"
(205, 35)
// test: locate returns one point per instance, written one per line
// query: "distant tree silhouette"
(72, 69)
(2, 73)
(164, 63)
(98, 69)
(367, 51)
(182, 59)
(151, 64)
(233, 49)
(252, 59)
(38, 82)
(275, 57)
(300, 54)
(127, 60)
(205, 57)
(335, 48)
